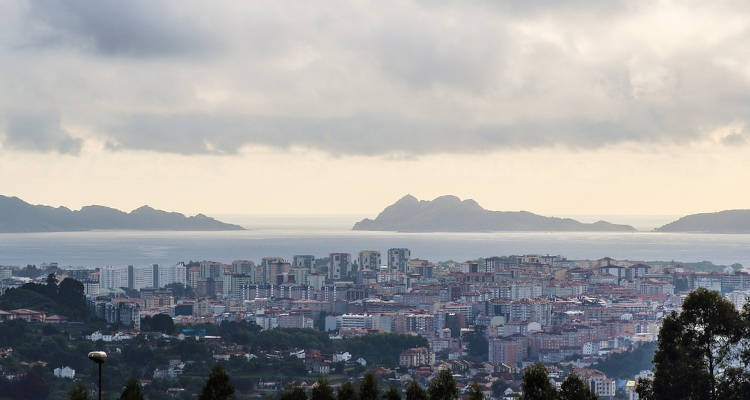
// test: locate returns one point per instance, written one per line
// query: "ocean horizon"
(285, 236)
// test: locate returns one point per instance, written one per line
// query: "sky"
(342, 107)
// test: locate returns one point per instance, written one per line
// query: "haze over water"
(319, 235)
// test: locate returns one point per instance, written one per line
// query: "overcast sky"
(298, 107)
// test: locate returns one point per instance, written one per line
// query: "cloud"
(383, 79)
(137, 28)
(37, 131)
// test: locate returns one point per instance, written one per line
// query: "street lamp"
(98, 357)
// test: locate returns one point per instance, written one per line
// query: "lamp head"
(98, 356)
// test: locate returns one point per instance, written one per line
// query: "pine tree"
(79, 392)
(392, 394)
(536, 384)
(573, 388)
(696, 348)
(443, 387)
(322, 391)
(475, 392)
(368, 388)
(132, 391)
(415, 392)
(293, 393)
(347, 392)
(217, 386)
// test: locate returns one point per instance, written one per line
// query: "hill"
(451, 214)
(17, 215)
(729, 221)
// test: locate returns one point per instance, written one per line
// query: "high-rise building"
(339, 265)
(263, 274)
(112, 277)
(398, 259)
(211, 269)
(307, 261)
(300, 274)
(369, 259)
(243, 267)
(239, 289)
(168, 274)
(192, 277)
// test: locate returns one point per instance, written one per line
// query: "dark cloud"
(138, 28)
(38, 131)
(378, 134)
(405, 78)
(735, 139)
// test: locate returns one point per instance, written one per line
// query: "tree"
(322, 391)
(368, 387)
(415, 392)
(443, 387)
(132, 391)
(477, 344)
(71, 293)
(293, 393)
(51, 288)
(218, 386)
(79, 392)
(499, 387)
(475, 392)
(645, 389)
(573, 388)
(162, 323)
(697, 347)
(392, 394)
(347, 391)
(536, 384)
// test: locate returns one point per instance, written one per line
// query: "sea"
(285, 236)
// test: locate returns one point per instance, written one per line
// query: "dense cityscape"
(280, 322)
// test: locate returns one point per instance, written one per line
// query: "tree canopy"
(703, 351)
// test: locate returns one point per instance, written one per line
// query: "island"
(451, 214)
(18, 216)
(728, 221)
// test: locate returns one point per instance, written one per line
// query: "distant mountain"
(729, 221)
(17, 215)
(450, 214)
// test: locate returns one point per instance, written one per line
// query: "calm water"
(322, 235)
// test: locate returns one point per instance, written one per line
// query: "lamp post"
(98, 357)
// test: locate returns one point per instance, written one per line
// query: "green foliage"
(368, 387)
(443, 387)
(645, 389)
(698, 350)
(66, 299)
(158, 323)
(30, 386)
(478, 346)
(536, 384)
(381, 348)
(627, 364)
(132, 391)
(415, 392)
(475, 392)
(392, 394)
(217, 386)
(573, 388)
(293, 393)
(347, 391)
(322, 391)
(79, 392)
(499, 387)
